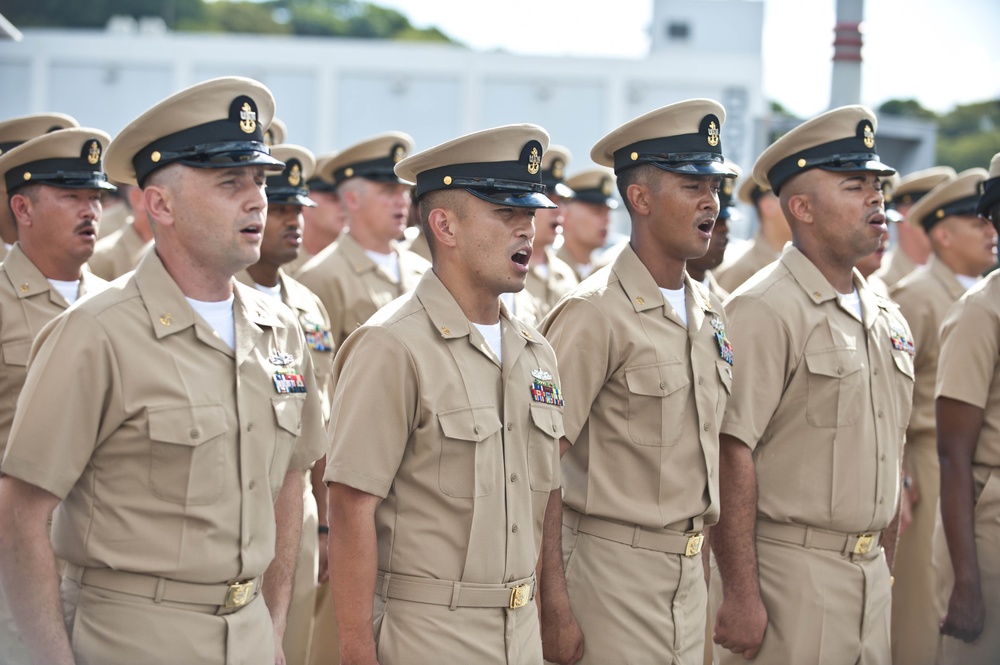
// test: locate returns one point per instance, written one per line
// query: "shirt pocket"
(834, 388)
(543, 447)
(656, 402)
(288, 427)
(16, 353)
(470, 451)
(187, 453)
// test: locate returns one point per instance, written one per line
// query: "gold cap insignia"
(557, 168)
(869, 139)
(348, 172)
(727, 186)
(94, 152)
(634, 156)
(534, 161)
(155, 157)
(248, 118)
(447, 180)
(713, 134)
(802, 163)
(939, 213)
(294, 175)
(606, 186)
(398, 153)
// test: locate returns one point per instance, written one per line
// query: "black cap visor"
(689, 164)
(225, 155)
(503, 197)
(292, 196)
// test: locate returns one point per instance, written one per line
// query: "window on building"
(678, 31)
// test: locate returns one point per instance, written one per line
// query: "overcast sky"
(940, 52)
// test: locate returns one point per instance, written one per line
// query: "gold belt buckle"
(239, 594)
(694, 544)
(864, 544)
(519, 596)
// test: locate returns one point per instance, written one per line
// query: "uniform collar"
(946, 276)
(641, 288)
(355, 255)
(170, 312)
(449, 319)
(29, 281)
(819, 290)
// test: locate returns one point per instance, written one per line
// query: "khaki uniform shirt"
(118, 253)
(352, 287)
(171, 446)
(714, 287)
(821, 399)
(746, 265)
(644, 398)
(28, 301)
(315, 325)
(464, 450)
(895, 266)
(4, 250)
(968, 367)
(549, 288)
(292, 267)
(924, 298)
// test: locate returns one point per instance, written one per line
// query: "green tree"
(908, 108)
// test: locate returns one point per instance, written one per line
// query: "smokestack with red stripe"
(845, 85)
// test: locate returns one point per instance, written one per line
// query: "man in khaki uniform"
(646, 366)
(121, 251)
(57, 210)
(912, 245)
(366, 269)
(184, 416)
(586, 218)
(287, 195)
(764, 248)
(813, 434)
(444, 457)
(701, 268)
(968, 437)
(13, 133)
(323, 223)
(964, 247)
(550, 278)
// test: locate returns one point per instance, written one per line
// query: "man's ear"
(159, 204)
(21, 207)
(638, 198)
(442, 224)
(800, 208)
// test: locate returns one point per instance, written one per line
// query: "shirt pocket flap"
(288, 413)
(836, 363)
(656, 380)
(189, 425)
(904, 362)
(16, 353)
(470, 424)
(548, 419)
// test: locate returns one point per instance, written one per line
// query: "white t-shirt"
(389, 263)
(219, 316)
(270, 291)
(68, 290)
(676, 298)
(851, 302)
(966, 281)
(493, 337)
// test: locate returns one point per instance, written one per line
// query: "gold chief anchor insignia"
(248, 118)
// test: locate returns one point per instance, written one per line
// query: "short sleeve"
(374, 410)
(969, 352)
(760, 367)
(582, 338)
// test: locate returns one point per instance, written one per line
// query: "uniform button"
(195, 434)
(510, 579)
(701, 380)
(513, 477)
(883, 457)
(249, 427)
(663, 385)
(880, 413)
(875, 371)
(476, 429)
(840, 370)
(554, 428)
(706, 427)
(510, 426)
(882, 500)
(514, 528)
(253, 484)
